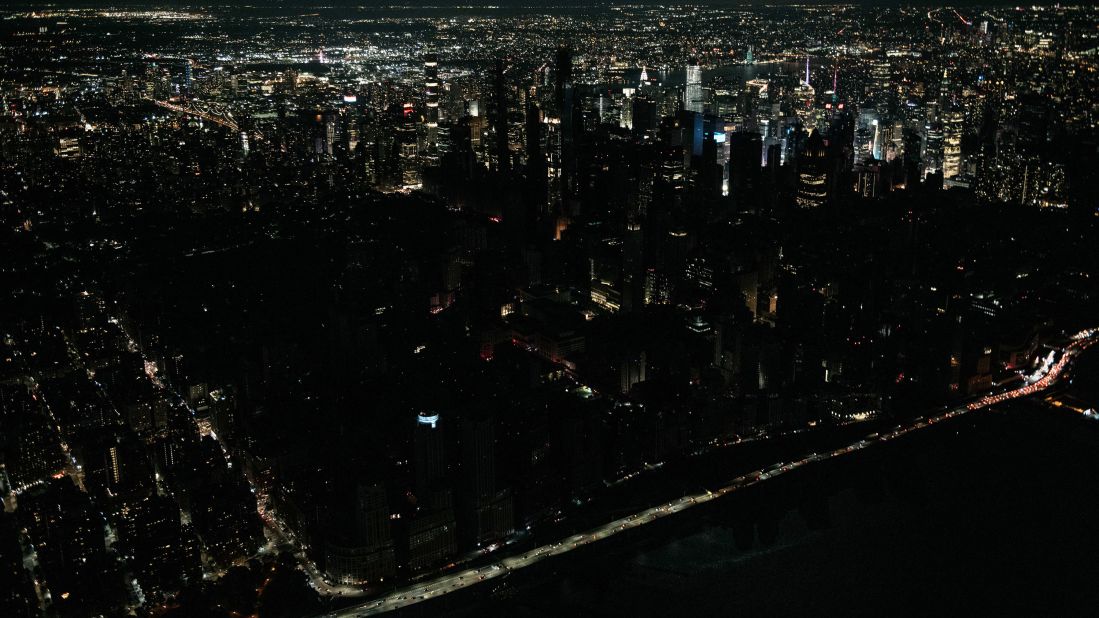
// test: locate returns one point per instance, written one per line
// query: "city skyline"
(613, 309)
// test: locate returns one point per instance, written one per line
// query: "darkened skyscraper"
(432, 470)
(500, 118)
(562, 74)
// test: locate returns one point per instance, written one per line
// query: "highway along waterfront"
(938, 524)
(840, 523)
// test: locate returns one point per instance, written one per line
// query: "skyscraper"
(868, 142)
(932, 155)
(499, 119)
(952, 126)
(431, 101)
(881, 79)
(431, 466)
(692, 94)
(812, 173)
(562, 71)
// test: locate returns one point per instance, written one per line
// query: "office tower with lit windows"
(813, 173)
(953, 127)
(881, 85)
(431, 102)
(692, 92)
(931, 154)
(868, 135)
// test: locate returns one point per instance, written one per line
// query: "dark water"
(997, 514)
(1084, 381)
(735, 74)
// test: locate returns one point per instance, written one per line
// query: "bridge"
(224, 119)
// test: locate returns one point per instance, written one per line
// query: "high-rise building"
(431, 102)
(430, 452)
(499, 119)
(952, 123)
(162, 552)
(745, 158)
(868, 138)
(371, 557)
(932, 155)
(33, 451)
(562, 71)
(881, 82)
(431, 538)
(812, 173)
(692, 93)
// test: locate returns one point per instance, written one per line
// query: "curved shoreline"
(467, 578)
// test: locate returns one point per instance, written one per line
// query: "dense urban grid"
(311, 310)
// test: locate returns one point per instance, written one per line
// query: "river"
(997, 512)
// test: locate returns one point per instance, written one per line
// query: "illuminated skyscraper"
(692, 94)
(812, 173)
(881, 78)
(868, 138)
(952, 143)
(431, 101)
(932, 155)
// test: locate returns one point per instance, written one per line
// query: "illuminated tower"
(813, 173)
(431, 100)
(692, 94)
(880, 87)
(836, 80)
(932, 155)
(952, 125)
(868, 138)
